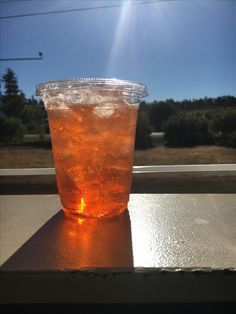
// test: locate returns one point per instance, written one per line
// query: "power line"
(25, 58)
(15, 1)
(78, 9)
(12, 1)
(20, 59)
(20, 1)
(8, 1)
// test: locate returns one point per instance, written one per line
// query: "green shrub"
(224, 121)
(223, 127)
(32, 117)
(225, 139)
(159, 112)
(13, 106)
(41, 133)
(11, 130)
(143, 140)
(186, 129)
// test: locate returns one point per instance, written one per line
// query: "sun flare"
(119, 33)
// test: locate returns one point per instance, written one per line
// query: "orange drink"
(92, 125)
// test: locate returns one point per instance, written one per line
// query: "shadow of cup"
(88, 243)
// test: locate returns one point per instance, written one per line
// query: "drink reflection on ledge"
(64, 244)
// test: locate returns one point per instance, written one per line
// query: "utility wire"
(19, 1)
(14, 1)
(77, 10)
(8, 1)
(20, 59)
(40, 57)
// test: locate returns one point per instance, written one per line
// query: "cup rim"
(128, 87)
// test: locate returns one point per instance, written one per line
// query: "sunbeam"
(119, 35)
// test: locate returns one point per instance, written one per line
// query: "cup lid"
(130, 88)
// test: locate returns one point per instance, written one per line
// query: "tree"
(143, 130)
(13, 99)
(11, 130)
(143, 107)
(186, 129)
(159, 112)
(32, 116)
(224, 121)
(223, 127)
(14, 106)
(10, 84)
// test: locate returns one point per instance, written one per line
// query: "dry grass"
(197, 155)
(25, 158)
(36, 158)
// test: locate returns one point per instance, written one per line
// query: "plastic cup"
(92, 124)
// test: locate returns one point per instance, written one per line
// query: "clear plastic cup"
(92, 125)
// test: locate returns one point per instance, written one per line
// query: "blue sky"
(179, 49)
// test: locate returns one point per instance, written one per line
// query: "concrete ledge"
(117, 287)
(165, 248)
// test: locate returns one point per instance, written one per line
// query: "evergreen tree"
(10, 84)
(13, 99)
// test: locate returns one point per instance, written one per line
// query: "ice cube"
(104, 112)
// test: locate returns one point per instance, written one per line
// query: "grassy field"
(185, 156)
(35, 158)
